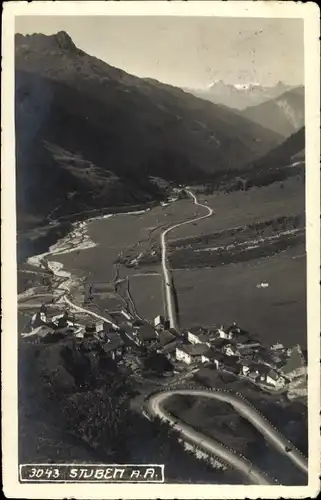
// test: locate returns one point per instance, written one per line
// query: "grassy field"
(247, 207)
(130, 234)
(207, 296)
(229, 293)
(146, 292)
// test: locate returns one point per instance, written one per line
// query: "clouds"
(187, 51)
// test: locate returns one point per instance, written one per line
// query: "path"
(247, 411)
(169, 291)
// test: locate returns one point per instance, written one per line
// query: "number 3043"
(37, 473)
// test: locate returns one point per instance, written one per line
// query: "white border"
(310, 13)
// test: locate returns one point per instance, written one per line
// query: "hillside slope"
(284, 115)
(89, 135)
(286, 160)
(284, 154)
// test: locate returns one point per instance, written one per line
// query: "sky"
(186, 51)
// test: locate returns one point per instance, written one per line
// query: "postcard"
(161, 249)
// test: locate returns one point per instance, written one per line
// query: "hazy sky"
(186, 51)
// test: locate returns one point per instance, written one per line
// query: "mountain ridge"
(90, 135)
(240, 96)
(283, 114)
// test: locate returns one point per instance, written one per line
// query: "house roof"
(212, 353)
(230, 361)
(219, 342)
(128, 329)
(247, 351)
(273, 375)
(265, 356)
(171, 346)
(193, 350)
(247, 342)
(203, 337)
(165, 337)
(262, 369)
(146, 332)
(127, 341)
(196, 330)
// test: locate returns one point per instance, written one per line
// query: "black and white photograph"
(163, 198)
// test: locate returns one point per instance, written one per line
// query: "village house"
(43, 313)
(262, 356)
(146, 335)
(114, 348)
(190, 353)
(248, 344)
(254, 376)
(79, 331)
(231, 364)
(221, 361)
(260, 370)
(227, 333)
(273, 378)
(164, 338)
(196, 335)
(230, 332)
(161, 323)
(219, 343)
(210, 356)
(100, 326)
(169, 350)
(230, 350)
(245, 368)
(279, 348)
(37, 320)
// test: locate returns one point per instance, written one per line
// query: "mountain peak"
(64, 40)
(39, 41)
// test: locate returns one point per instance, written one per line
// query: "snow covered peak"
(246, 86)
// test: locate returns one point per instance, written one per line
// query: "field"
(129, 234)
(209, 295)
(229, 293)
(147, 295)
(247, 207)
(121, 239)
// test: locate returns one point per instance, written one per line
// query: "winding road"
(155, 404)
(247, 411)
(168, 281)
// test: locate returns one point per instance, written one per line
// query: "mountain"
(284, 114)
(284, 160)
(89, 135)
(239, 96)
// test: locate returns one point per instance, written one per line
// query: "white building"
(245, 369)
(99, 326)
(198, 335)
(43, 317)
(230, 332)
(230, 350)
(190, 353)
(273, 378)
(224, 334)
(159, 321)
